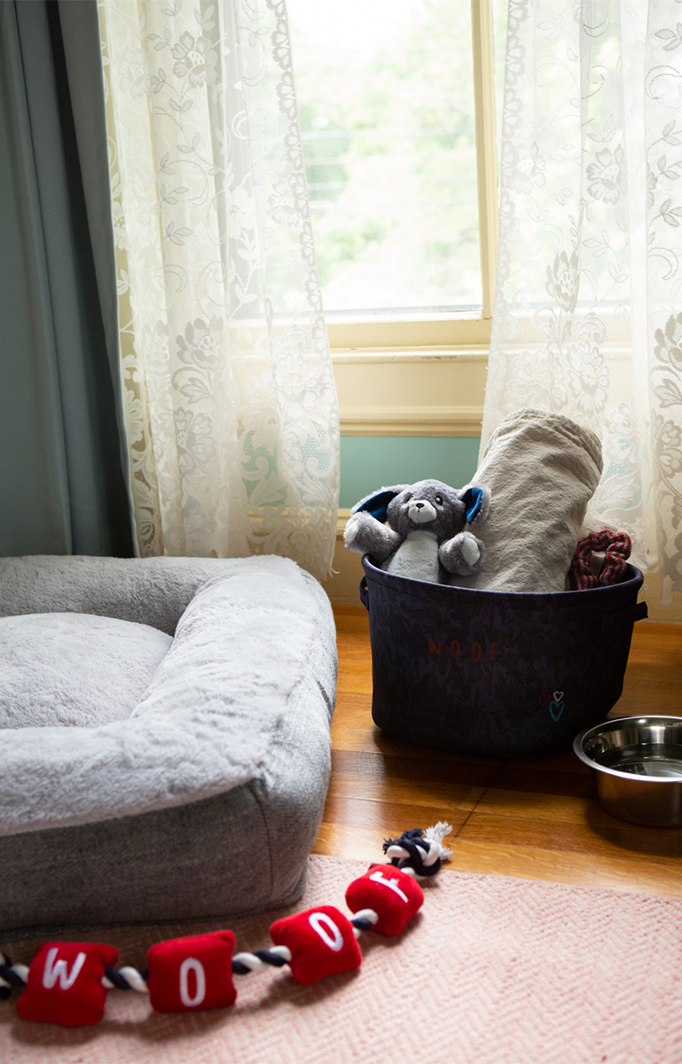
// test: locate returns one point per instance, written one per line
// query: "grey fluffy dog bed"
(164, 737)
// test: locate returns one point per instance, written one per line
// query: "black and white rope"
(11, 975)
(125, 978)
(417, 852)
(277, 957)
(363, 920)
(242, 964)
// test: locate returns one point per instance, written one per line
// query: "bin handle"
(364, 593)
(627, 616)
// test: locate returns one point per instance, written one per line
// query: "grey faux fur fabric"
(542, 469)
(207, 718)
(74, 669)
(152, 591)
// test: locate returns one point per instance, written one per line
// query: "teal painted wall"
(370, 462)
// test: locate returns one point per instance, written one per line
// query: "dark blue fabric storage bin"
(495, 674)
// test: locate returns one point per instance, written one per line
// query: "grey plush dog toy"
(424, 538)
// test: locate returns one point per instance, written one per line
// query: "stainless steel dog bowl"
(637, 762)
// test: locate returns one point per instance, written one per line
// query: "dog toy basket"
(495, 674)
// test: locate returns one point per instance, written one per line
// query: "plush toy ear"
(377, 503)
(473, 502)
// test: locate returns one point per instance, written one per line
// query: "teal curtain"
(62, 449)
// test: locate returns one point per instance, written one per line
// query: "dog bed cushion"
(74, 669)
(206, 800)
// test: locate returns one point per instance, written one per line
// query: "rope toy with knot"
(417, 852)
(616, 548)
(67, 982)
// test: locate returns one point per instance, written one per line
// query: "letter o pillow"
(322, 942)
(186, 974)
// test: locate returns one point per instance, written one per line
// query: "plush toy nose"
(421, 511)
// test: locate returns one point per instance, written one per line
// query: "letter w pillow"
(65, 983)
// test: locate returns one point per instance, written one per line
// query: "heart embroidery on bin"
(556, 707)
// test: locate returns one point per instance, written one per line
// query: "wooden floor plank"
(544, 781)
(535, 817)
(350, 841)
(419, 768)
(590, 835)
(425, 792)
(391, 817)
(531, 805)
(583, 870)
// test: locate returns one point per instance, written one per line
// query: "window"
(396, 103)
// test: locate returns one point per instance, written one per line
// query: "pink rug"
(493, 971)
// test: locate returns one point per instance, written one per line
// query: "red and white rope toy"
(67, 982)
(615, 546)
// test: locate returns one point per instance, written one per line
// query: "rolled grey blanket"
(542, 470)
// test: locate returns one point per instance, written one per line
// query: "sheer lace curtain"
(588, 308)
(230, 403)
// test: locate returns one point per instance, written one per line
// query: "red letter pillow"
(186, 974)
(65, 983)
(321, 940)
(393, 895)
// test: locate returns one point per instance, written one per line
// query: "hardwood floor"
(535, 817)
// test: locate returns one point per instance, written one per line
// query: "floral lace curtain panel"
(588, 309)
(230, 402)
